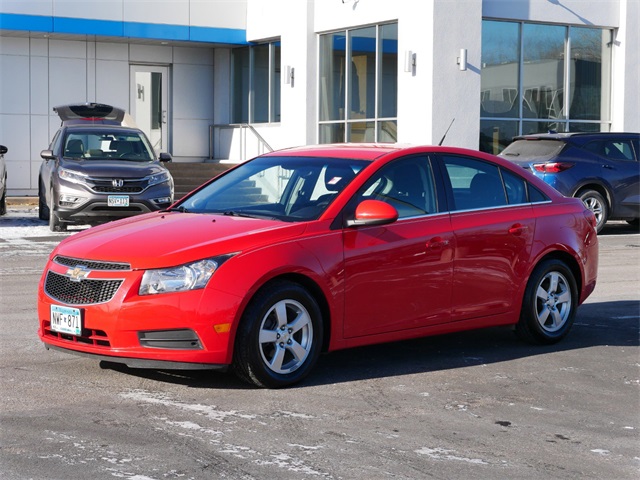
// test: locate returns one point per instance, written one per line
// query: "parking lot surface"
(477, 404)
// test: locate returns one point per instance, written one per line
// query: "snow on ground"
(22, 222)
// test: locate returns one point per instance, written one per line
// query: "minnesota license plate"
(66, 320)
(118, 201)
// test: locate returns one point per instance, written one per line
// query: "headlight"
(71, 176)
(180, 279)
(158, 178)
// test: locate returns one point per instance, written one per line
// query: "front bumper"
(121, 326)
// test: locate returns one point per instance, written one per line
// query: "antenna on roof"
(445, 133)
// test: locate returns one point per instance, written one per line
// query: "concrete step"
(188, 176)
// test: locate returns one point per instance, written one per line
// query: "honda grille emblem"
(117, 182)
(78, 273)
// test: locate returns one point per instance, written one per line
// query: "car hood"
(113, 168)
(165, 239)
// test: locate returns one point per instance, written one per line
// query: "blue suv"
(602, 169)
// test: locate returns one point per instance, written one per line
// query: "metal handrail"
(243, 142)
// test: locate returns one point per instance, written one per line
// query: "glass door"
(149, 104)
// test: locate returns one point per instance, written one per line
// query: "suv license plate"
(66, 320)
(118, 201)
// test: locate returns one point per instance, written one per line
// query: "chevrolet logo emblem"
(78, 273)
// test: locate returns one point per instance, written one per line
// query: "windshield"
(107, 145)
(283, 188)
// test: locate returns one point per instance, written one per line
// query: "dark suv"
(602, 169)
(98, 169)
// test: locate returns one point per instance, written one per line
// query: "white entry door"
(149, 103)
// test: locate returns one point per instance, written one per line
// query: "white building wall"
(429, 96)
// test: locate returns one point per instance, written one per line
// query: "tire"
(595, 202)
(55, 225)
(43, 209)
(3, 203)
(549, 304)
(279, 337)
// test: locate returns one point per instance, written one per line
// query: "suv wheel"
(595, 202)
(55, 225)
(43, 209)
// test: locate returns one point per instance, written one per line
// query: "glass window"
(256, 84)
(407, 185)
(332, 74)
(358, 85)
(589, 73)
(475, 184)
(543, 71)
(285, 188)
(515, 186)
(560, 82)
(500, 75)
(240, 85)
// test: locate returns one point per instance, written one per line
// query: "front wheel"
(279, 338)
(55, 225)
(549, 305)
(43, 209)
(595, 202)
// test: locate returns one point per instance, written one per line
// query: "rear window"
(522, 149)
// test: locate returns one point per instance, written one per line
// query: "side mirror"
(165, 157)
(373, 212)
(3, 149)
(47, 154)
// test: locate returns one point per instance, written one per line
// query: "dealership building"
(225, 80)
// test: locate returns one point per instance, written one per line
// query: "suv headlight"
(191, 276)
(72, 176)
(158, 178)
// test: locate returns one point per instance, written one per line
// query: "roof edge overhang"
(52, 25)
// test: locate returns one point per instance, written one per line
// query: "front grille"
(84, 292)
(105, 185)
(90, 264)
(110, 189)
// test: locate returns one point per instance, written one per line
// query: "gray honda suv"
(99, 169)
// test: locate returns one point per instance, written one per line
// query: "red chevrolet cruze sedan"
(315, 249)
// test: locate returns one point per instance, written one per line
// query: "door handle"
(437, 243)
(518, 229)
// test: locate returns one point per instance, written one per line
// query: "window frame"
(343, 125)
(273, 86)
(516, 120)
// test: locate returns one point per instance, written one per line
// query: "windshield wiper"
(236, 213)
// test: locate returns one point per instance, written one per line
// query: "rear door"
(621, 171)
(494, 227)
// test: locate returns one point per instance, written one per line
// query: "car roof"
(368, 151)
(93, 114)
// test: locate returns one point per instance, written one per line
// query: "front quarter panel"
(314, 260)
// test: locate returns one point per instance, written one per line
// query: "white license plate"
(118, 201)
(66, 320)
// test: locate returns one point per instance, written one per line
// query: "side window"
(612, 149)
(515, 186)
(618, 150)
(475, 184)
(535, 195)
(405, 184)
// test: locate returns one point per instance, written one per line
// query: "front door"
(149, 103)
(399, 276)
